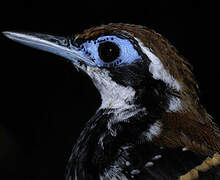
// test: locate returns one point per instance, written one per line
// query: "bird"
(151, 123)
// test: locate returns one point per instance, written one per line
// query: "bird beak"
(54, 44)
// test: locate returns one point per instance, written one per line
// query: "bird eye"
(108, 51)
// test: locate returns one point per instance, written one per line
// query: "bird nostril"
(76, 42)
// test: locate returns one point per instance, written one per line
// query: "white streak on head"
(154, 130)
(157, 69)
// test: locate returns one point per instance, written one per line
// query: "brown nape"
(192, 127)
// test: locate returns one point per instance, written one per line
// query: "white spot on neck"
(135, 172)
(157, 69)
(113, 95)
(100, 142)
(156, 157)
(175, 104)
(185, 149)
(149, 164)
(154, 130)
(113, 173)
(127, 163)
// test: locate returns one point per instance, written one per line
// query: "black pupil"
(108, 51)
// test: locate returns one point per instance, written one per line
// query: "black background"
(45, 102)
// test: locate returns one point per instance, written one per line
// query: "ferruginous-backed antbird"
(150, 124)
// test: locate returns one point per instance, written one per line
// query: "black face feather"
(80, 163)
(150, 93)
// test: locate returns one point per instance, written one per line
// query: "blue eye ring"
(125, 51)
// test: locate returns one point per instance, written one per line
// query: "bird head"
(128, 64)
(147, 89)
(133, 66)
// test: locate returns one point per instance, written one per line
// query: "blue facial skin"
(87, 53)
(128, 54)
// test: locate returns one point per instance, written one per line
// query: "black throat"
(97, 147)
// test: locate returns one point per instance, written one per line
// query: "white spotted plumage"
(154, 130)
